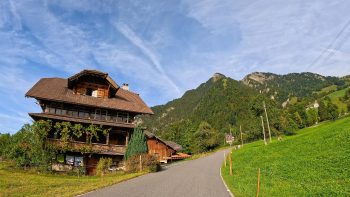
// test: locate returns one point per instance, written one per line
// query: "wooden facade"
(162, 149)
(89, 97)
(159, 148)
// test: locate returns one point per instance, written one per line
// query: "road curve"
(200, 177)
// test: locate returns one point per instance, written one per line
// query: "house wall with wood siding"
(157, 147)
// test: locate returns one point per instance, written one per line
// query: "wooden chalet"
(89, 97)
(163, 149)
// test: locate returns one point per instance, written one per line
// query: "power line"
(330, 45)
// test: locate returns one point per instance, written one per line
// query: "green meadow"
(335, 98)
(314, 162)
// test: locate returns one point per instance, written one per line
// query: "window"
(58, 111)
(87, 115)
(94, 93)
(97, 114)
(81, 114)
(78, 161)
(69, 159)
(74, 160)
(70, 113)
(60, 158)
(89, 91)
(103, 114)
(75, 113)
(51, 110)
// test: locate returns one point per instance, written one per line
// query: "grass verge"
(26, 183)
(315, 162)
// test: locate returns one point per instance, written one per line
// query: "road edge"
(222, 179)
(228, 190)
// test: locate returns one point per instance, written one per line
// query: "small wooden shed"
(163, 149)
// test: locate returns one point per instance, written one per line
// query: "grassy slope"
(21, 183)
(314, 162)
(335, 99)
(328, 89)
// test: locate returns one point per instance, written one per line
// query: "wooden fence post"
(140, 163)
(225, 159)
(230, 164)
(258, 186)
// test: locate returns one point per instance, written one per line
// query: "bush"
(28, 148)
(103, 166)
(149, 163)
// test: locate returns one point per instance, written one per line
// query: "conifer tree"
(137, 144)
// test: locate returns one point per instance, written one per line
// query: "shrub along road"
(200, 177)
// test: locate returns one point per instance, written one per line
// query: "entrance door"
(91, 165)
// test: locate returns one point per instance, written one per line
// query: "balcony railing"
(99, 115)
(93, 148)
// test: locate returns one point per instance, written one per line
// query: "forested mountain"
(284, 87)
(202, 116)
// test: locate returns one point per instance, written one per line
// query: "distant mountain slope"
(282, 87)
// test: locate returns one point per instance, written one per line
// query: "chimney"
(125, 86)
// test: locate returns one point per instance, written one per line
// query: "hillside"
(226, 104)
(221, 101)
(337, 98)
(283, 87)
(315, 162)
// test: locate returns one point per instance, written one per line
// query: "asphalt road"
(200, 177)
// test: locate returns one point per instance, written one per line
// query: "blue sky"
(163, 48)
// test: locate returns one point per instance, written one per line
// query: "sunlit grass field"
(29, 183)
(315, 162)
(335, 98)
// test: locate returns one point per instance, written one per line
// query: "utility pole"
(268, 124)
(231, 140)
(240, 129)
(263, 129)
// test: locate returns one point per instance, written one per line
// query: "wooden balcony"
(77, 146)
(38, 116)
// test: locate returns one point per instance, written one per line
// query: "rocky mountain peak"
(259, 77)
(218, 76)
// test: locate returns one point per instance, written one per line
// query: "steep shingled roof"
(56, 89)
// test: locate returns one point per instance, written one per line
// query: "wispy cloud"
(280, 36)
(163, 48)
(137, 41)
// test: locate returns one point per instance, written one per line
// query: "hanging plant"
(92, 132)
(78, 130)
(106, 131)
(65, 130)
